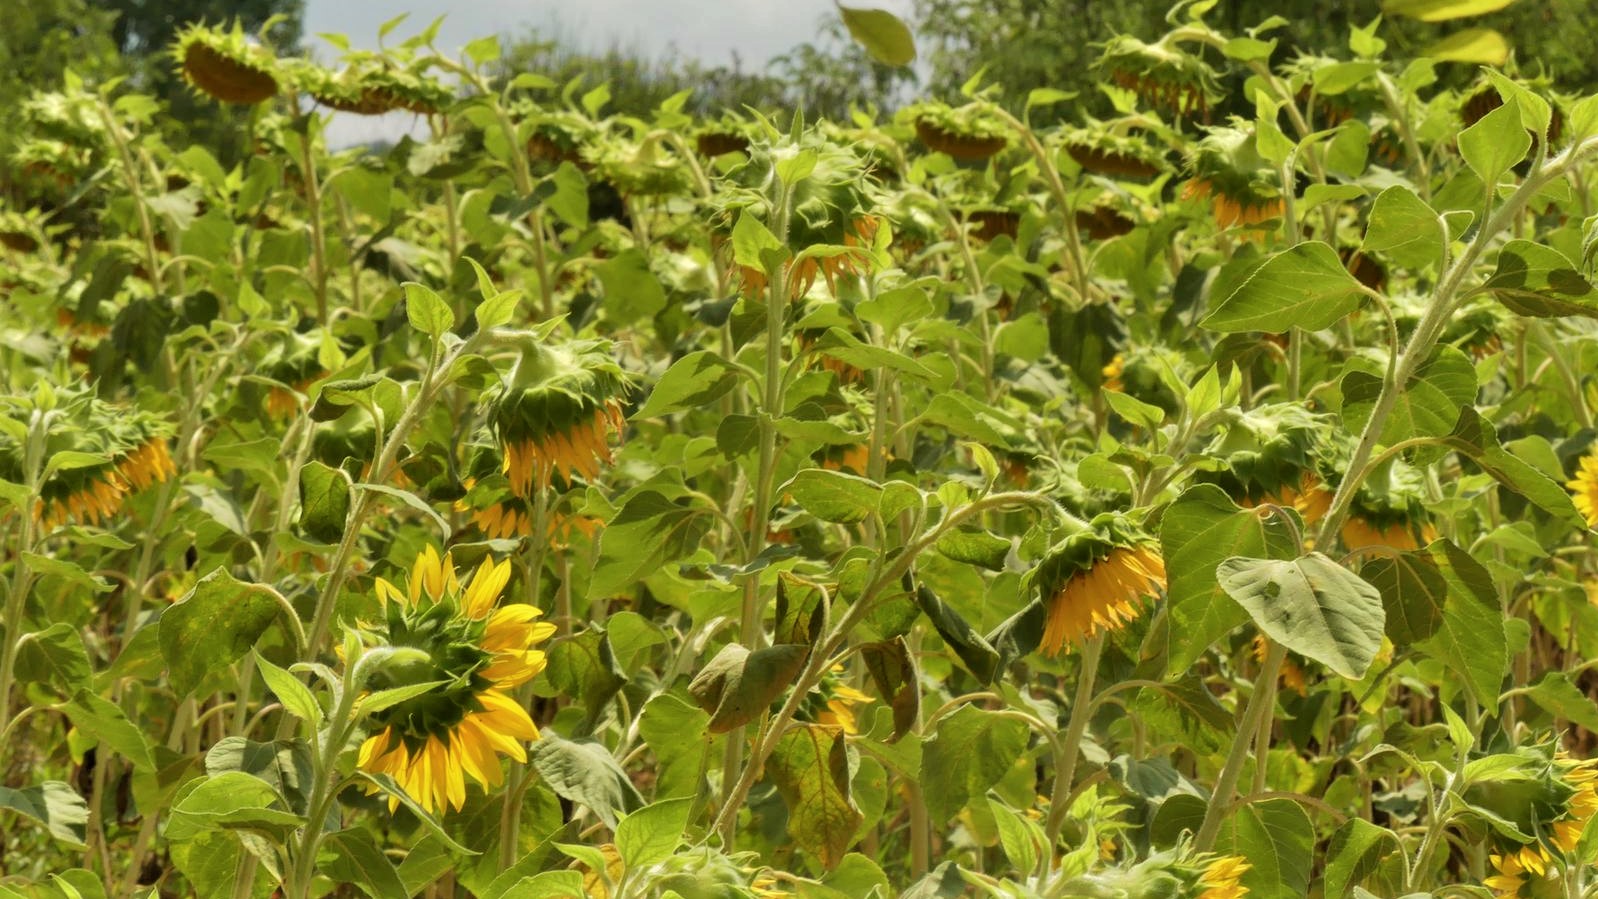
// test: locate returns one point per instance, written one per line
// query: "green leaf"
(426, 310)
(1311, 605)
(263, 455)
(632, 292)
(649, 532)
(676, 731)
(548, 885)
(284, 765)
(1541, 282)
(585, 773)
(1495, 143)
(974, 546)
(1142, 414)
(973, 649)
(53, 804)
(356, 858)
(1305, 286)
(497, 307)
(883, 35)
(1022, 838)
(810, 766)
(651, 834)
(1278, 840)
(213, 626)
(737, 685)
(1404, 229)
(833, 495)
(324, 501)
(1199, 530)
(1340, 77)
(1564, 700)
(1474, 436)
(893, 670)
(1442, 601)
(893, 309)
(583, 666)
(1428, 406)
(967, 754)
(68, 571)
(54, 656)
(693, 382)
(1441, 10)
(753, 243)
(294, 695)
(1482, 46)
(229, 800)
(105, 721)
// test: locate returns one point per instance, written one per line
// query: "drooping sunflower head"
(1169, 874)
(1541, 801)
(832, 204)
(1096, 579)
(124, 452)
(728, 134)
(645, 167)
(1226, 168)
(473, 653)
(1162, 74)
(226, 65)
(1100, 150)
(376, 84)
(556, 412)
(970, 133)
(1266, 451)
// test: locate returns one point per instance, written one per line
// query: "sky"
(709, 30)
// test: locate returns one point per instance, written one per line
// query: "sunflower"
(1163, 75)
(1584, 488)
(1095, 579)
(132, 451)
(832, 702)
(225, 65)
(1111, 373)
(1222, 878)
(1582, 776)
(1243, 188)
(969, 133)
(476, 653)
(556, 414)
(1101, 151)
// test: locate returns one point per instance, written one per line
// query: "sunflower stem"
(1260, 703)
(1068, 750)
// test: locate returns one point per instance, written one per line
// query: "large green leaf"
(230, 800)
(882, 33)
(1541, 282)
(1356, 850)
(737, 685)
(1428, 405)
(968, 752)
(1443, 602)
(651, 834)
(1442, 10)
(354, 857)
(53, 804)
(213, 626)
(676, 732)
(1495, 143)
(649, 532)
(1404, 229)
(1311, 605)
(585, 773)
(1199, 531)
(1278, 841)
(1305, 287)
(324, 501)
(810, 766)
(1473, 436)
(833, 495)
(693, 382)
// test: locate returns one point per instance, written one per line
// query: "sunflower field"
(1194, 503)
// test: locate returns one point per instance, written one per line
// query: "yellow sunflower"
(1584, 488)
(839, 701)
(1221, 880)
(477, 653)
(1095, 580)
(557, 412)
